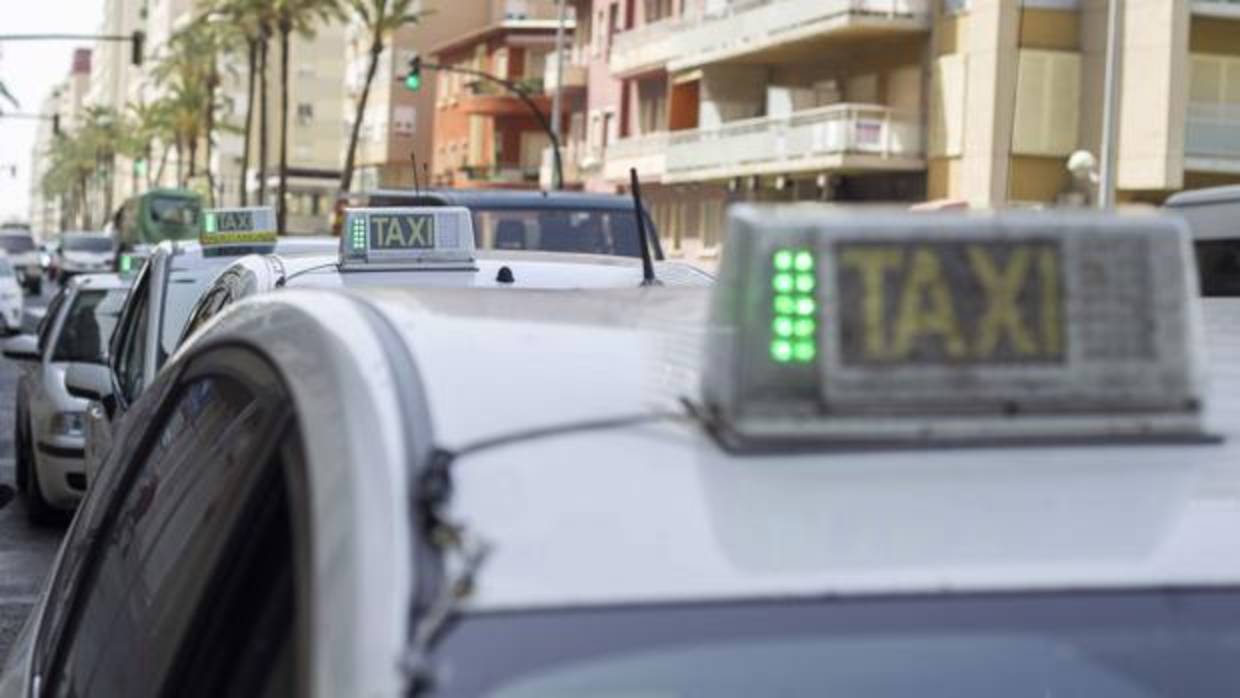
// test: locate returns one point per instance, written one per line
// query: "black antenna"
(426, 174)
(417, 188)
(643, 236)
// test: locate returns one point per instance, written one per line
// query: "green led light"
(781, 350)
(804, 261)
(803, 352)
(785, 305)
(782, 260)
(126, 263)
(210, 223)
(805, 306)
(782, 282)
(805, 283)
(804, 327)
(782, 327)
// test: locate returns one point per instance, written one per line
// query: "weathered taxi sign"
(886, 328)
(430, 236)
(231, 227)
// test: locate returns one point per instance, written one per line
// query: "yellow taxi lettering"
(926, 308)
(1000, 288)
(872, 264)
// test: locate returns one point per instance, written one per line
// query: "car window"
(591, 231)
(207, 307)
(174, 210)
(1218, 264)
(48, 321)
(88, 325)
(6, 268)
(16, 244)
(87, 243)
(190, 496)
(183, 291)
(130, 354)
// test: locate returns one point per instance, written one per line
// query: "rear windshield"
(87, 243)
(1218, 264)
(16, 244)
(89, 325)
(603, 231)
(1087, 645)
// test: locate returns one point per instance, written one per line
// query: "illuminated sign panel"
(230, 227)
(882, 327)
(431, 236)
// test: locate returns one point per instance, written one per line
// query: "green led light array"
(358, 231)
(794, 325)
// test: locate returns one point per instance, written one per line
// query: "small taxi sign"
(255, 225)
(431, 236)
(891, 327)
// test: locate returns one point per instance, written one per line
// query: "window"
(305, 113)
(48, 321)
(129, 355)
(88, 325)
(1048, 96)
(186, 530)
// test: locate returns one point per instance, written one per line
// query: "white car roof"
(658, 511)
(100, 281)
(539, 270)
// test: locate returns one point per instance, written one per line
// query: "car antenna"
(417, 188)
(643, 235)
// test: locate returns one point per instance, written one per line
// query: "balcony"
(646, 48)
(574, 74)
(1227, 9)
(648, 153)
(755, 27)
(1212, 141)
(570, 156)
(838, 137)
(496, 177)
(490, 99)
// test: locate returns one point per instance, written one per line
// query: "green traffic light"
(413, 83)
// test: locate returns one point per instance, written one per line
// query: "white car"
(48, 429)
(26, 257)
(85, 253)
(11, 300)
(685, 491)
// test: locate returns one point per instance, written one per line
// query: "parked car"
(25, 256)
(11, 303)
(48, 429)
(84, 253)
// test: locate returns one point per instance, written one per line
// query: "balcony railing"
(1217, 8)
(648, 153)
(574, 73)
(1213, 132)
(747, 26)
(802, 140)
(647, 47)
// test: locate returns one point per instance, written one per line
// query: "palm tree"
(299, 16)
(252, 21)
(381, 18)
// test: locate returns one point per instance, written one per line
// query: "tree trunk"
(282, 210)
(346, 177)
(252, 54)
(110, 185)
(262, 120)
(210, 125)
(159, 173)
(180, 164)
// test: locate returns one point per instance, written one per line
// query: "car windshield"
(88, 326)
(16, 244)
(184, 289)
(1112, 645)
(175, 210)
(87, 243)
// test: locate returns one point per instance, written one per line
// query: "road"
(25, 551)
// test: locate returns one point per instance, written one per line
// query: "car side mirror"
(89, 381)
(23, 347)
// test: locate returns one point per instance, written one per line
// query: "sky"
(30, 69)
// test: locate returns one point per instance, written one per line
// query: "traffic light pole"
(137, 38)
(525, 97)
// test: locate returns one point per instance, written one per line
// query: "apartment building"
(112, 76)
(484, 136)
(67, 101)
(723, 101)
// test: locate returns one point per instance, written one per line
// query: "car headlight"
(68, 424)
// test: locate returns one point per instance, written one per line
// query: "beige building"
(66, 101)
(720, 101)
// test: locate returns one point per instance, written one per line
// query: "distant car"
(528, 220)
(11, 302)
(25, 256)
(49, 436)
(84, 253)
(1213, 215)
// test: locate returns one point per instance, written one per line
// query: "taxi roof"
(657, 511)
(530, 269)
(501, 198)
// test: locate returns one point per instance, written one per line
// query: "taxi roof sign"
(410, 237)
(889, 328)
(238, 227)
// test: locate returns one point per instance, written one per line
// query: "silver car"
(49, 437)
